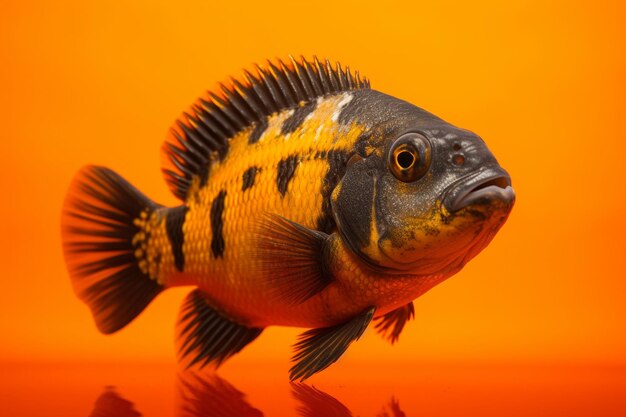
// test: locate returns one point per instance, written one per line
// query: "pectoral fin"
(391, 324)
(317, 349)
(292, 258)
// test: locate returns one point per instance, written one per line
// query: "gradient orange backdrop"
(542, 82)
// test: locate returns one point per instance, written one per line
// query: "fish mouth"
(487, 185)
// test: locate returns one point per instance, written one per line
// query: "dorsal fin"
(202, 134)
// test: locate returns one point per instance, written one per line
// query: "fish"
(307, 199)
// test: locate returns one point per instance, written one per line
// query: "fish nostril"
(456, 147)
(458, 159)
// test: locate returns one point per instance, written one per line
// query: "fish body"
(307, 199)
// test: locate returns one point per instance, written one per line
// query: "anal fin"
(206, 335)
(391, 324)
(317, 349)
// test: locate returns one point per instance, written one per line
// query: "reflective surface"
(255, 390)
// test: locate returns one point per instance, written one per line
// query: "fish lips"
(483, 187)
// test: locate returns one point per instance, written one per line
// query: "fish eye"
(409, 158)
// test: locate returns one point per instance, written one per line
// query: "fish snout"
(488, 186)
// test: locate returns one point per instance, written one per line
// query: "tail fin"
(100, 225)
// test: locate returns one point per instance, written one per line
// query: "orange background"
(543, 84)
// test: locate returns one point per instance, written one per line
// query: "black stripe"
(294, 121)
(336, 168)
(217, 225)
(353, 204)
(174, 222)
(259, 128)
(286, 169)
(248, 178)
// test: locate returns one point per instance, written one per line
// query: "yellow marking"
(194, 188)
(154, 253)
(274, 126)
(340, 105)
(442, 208)
(373, 150)
(372, 250)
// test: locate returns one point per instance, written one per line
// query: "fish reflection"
(110, 404)
(393, 410)
(208, 395)
(315, 403)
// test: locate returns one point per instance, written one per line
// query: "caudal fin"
(102, 232)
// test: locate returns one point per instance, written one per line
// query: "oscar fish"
(308, 199)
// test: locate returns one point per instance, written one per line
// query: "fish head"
(419, 195)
